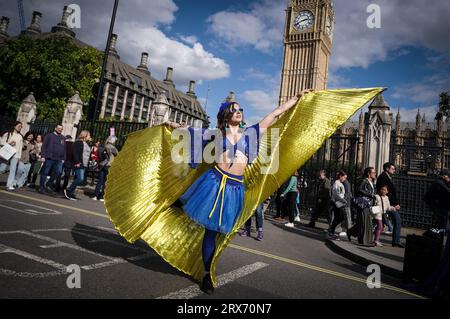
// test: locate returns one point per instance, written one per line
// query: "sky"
(238, 46)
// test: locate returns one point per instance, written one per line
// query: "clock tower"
(308, 38)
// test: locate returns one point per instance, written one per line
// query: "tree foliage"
(444, 105)
(53, 68)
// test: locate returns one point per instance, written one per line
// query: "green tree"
(52, 68)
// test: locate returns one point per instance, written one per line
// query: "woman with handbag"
(25, 161)
(364, 200)
(15, 140)
(36, 160)
(338, 203)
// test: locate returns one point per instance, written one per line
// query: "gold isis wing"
(144, 181)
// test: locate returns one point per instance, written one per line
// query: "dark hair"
(380, 188)
(387, 166)
(28, 134)
(324, 171)
(341, 173)
(367, 171)
(14, 127)
(226, 115)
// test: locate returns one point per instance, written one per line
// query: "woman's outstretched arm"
(174, 124)
(279, 111)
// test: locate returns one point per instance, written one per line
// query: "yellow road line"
(249, 250)
(319, 269)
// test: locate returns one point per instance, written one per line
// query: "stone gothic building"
(130, 93)
(420, 147)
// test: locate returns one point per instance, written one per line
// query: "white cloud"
(419, 23)
(409, 115)
(336, 81)
(189, 62)
(261, 103)
(261, 27)
(190, 39)
(137, 25)
(424, 91)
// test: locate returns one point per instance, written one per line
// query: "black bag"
(102, 153)
(33, 158)
(422, 255)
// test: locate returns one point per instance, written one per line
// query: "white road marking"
(194, 291)
(17, 210)
(5, 249)
(47, 211)
(61, 269)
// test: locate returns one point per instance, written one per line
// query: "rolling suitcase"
(422, 255)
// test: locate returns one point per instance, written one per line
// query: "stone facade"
(27, 113)
(72, 115)
(377, 134)
(409, 142)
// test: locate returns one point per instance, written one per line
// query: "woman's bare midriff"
(239, 164)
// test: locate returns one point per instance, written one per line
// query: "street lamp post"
(105, 61)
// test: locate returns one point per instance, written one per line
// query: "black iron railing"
(101, 130)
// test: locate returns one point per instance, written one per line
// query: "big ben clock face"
(328, 26)
(303, 20)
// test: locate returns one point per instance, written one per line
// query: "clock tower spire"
(308, 38)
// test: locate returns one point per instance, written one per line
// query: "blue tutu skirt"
(215, 200)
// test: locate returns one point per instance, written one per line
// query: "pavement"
(390, 259)
(45, 238)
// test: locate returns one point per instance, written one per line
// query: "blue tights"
(208, 248)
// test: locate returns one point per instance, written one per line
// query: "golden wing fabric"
(144, 182)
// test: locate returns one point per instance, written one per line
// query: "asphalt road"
(41, 235)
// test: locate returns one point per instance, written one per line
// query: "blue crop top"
(248, 144)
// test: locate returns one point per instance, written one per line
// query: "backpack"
(102, 154)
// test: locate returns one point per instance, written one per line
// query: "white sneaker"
(101, 199)
(290, 225)
(342, 234)
(10, 188)
(297, 219)
(378, 244)
(94, 198)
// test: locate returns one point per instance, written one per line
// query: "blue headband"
(223, 106)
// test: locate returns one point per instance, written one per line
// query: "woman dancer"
(215, 200)
(147, 177)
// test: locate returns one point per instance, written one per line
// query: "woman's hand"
(279, 111)
(293, 101)
(172, 124)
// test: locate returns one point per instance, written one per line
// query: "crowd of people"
(56, 158)
(372, 210)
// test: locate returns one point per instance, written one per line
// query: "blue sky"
(237, 45)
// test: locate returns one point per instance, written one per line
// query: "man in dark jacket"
(54, 152)
(385, 179)
(80, 156)
(438, 199)
(323, 199)
(67, 166)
